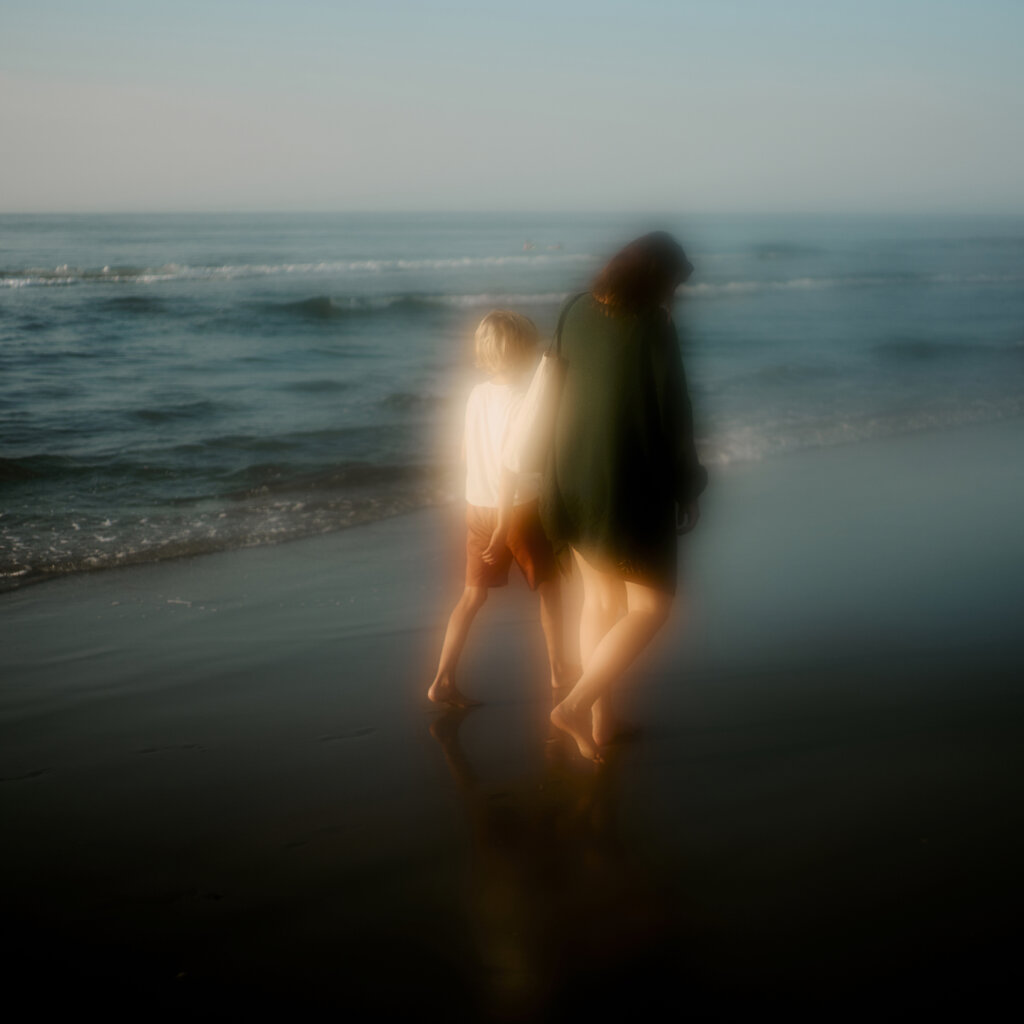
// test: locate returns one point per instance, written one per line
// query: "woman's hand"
(687, 516)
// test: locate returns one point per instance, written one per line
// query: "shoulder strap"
(556, 341)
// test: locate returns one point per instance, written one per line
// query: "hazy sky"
(725, 105)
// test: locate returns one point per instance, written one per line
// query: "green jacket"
(623, 451)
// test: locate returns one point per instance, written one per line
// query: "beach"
(223, 787)
(274, 294)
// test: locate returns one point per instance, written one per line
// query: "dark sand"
(222, 789)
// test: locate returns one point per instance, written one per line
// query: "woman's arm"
(676, 414)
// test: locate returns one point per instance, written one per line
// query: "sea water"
(178, 384)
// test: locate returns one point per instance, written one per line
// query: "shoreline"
(728, 465)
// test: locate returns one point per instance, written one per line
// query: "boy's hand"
(498, 538)
(506, 497)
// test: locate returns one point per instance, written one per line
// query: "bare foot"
(444, 691)
(564, 677)
(578, 727)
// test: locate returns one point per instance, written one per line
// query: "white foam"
(64, 274)
(488, 299)
(755, 442)
(791, 284)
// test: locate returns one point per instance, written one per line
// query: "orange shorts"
(527, 544)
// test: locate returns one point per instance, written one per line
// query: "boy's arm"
(506, 495)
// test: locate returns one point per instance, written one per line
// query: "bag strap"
(556, 342)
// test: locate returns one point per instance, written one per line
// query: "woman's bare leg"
(443, 689)
(604, 603)
(646, 612)
(553, 624)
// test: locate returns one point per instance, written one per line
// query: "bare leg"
(646, 611)
(562, 674)
(604, 603)
(443, 689)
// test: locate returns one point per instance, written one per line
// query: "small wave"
(921, 349)
(412, 401)
(783, 250)
(47, 467)
(33, 324)
(282, 478)
(755, 442)
(320, 307)
(141, 304)
(186, 411)
(90, 349)
(54, 390)
(297, 442)
(778, 375)
(499, 299)
(986, 241)
(69, 275)
(328, 307)
(316, 385)
(34, 467)
(711, 288)
(980, 278)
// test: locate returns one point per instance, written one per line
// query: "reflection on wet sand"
(563, 913)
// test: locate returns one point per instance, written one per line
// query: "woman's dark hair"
(641, 275)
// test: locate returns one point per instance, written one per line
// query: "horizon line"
(523, 211)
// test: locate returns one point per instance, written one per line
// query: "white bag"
(531, 434)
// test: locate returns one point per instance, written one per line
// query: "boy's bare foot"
(578, 727)
(444, 691)
(564, 677)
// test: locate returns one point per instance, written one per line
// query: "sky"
(719, 106)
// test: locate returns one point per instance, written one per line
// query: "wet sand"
(222, 788)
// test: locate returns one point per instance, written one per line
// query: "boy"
(497, 535)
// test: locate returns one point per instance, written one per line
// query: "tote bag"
(531, 434)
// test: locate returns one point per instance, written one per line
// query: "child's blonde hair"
(504, 341)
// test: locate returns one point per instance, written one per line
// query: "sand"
(222, 787)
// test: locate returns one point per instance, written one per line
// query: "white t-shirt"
(490, 411)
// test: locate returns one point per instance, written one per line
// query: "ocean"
(178, 384)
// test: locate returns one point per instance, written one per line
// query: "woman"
(624, 477)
